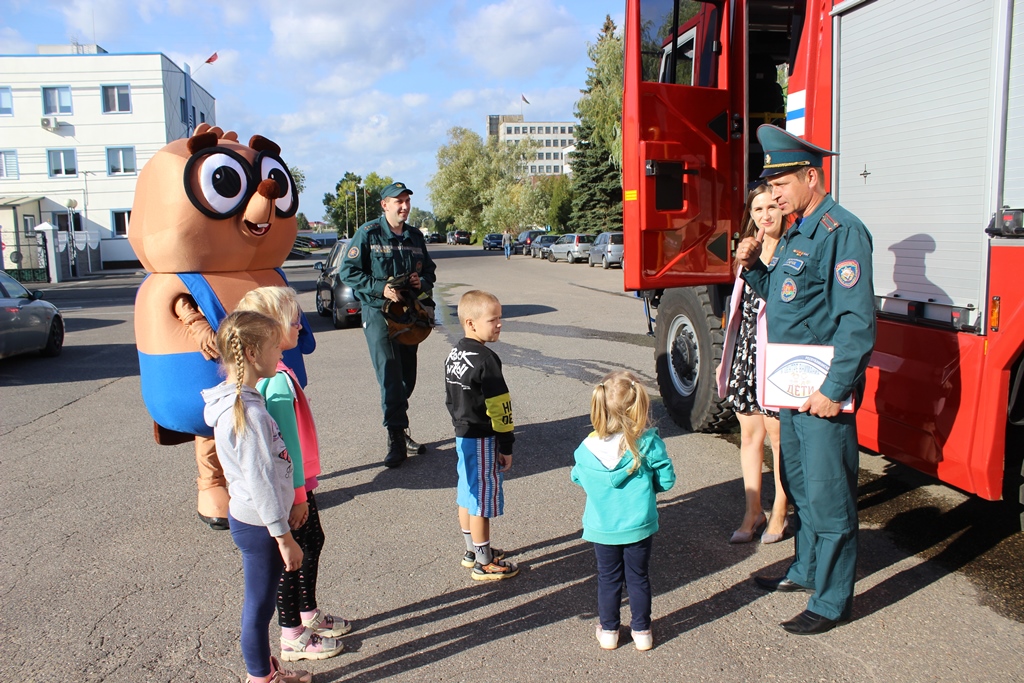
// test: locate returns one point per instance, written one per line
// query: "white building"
(76, 125)
(555, 137)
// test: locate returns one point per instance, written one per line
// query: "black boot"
(413, 447)
(396, 448)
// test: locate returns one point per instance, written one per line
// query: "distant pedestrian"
(506, 242)
(481, 410)
(622, 465)
(259, 475)
(306, 631)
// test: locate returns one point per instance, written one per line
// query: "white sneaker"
(643, 640)
(608, 640)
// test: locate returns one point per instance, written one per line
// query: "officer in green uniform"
(818, 290)
(380, 250)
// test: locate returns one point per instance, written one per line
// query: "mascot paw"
(215, 523)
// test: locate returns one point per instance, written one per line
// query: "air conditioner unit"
(49, 123)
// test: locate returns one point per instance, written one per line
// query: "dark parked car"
(524, 241)
(333, 297)
(541, 243)
(463, 237)
(607, 250)
(27, 323)
(492, 241)
(434, 238)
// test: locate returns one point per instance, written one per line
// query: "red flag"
(212, 59)
(524, 98)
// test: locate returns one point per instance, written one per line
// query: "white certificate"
(795, 371)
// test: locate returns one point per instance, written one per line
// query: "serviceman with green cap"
(383, 249)
(818, 291)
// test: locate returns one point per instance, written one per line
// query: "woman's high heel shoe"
(748, 536)
(775, 538)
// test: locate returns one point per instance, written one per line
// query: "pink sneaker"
(327, 625)
(286, 676)
(309, 646)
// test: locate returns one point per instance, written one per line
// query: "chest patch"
(353, 252)
(771, 264)
(794, 265)
(788, 289)
(847, 273)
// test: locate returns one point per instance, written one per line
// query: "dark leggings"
(262, 567)
(296, 591)
(618, 564)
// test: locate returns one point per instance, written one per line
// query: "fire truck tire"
(688, 347)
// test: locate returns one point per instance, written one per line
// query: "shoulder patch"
(352, 252)
(847, 273)
(788, 292)
(829, 222)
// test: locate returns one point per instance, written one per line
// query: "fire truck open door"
(682, 152)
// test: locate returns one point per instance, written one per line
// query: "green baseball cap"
(393, 190)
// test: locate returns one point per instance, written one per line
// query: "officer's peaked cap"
(393, 190)
(785, 152)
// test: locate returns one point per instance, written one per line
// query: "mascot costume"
(212, 219)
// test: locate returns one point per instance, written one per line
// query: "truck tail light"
(993, 314)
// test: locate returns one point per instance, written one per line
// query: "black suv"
(524, 241)
(333, 297)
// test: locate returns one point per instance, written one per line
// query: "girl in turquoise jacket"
(622, 465)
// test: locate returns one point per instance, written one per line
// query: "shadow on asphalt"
(75, 364)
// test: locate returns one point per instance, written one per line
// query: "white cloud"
(519, 37)
(11, 43)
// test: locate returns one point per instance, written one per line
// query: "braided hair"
(240, 332)
(621, 404)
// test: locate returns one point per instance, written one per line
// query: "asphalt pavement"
(107, 574)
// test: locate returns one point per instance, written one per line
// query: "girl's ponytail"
(240, 332)
(621, 404)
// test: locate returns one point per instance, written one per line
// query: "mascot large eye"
(218, 182)
(270, 166)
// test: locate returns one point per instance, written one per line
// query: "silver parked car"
(607, 250)
(27, 323)
(572, 247)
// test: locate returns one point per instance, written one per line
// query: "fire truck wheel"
(688, 346)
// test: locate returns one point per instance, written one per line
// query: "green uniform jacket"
(818, 290)
(376, 254)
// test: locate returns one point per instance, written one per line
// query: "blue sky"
(346, 85)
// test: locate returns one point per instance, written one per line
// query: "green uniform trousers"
(820, 460)
(395, 365)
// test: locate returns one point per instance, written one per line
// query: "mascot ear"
(201, 141)
(261, 144)
(230, 135)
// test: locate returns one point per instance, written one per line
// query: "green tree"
(354, 201)
(555, 200)
(424, 220)
(302, 221)
(299, 178)
(597, 159)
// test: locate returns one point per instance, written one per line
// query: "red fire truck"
(924, 102)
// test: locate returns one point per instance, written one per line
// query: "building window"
(184, 110)
(60, 219)
(202, 117)
(557, 169)
(117, 99)
(564, 143)
(547, 129)
(563, 130)
(547, 143)
(6, 102)
(540, 155)
(62, 162)
(547, 169)
(8, 164)
(121, 161)
(533, 169)
(570, 130)
(517, 130)
(556, 155)
(533, 129)
(508, 130)
(29, 222)
(547, 155)
(57, 100)
(119, 222)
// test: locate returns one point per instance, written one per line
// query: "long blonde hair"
(621, 404)
(278, 303)
(240, 332)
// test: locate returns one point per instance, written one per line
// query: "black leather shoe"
(397, 452)
(781, 585)
(413, 447)
(809, 623)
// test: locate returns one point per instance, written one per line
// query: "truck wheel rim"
(683, 356)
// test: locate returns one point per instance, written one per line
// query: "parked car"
(492, 241)
(463, 237)
(333, 297)
(541, 243)
(607, 250)
(572, 247)
(27, 323)
(434, 238)
(524, 241)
